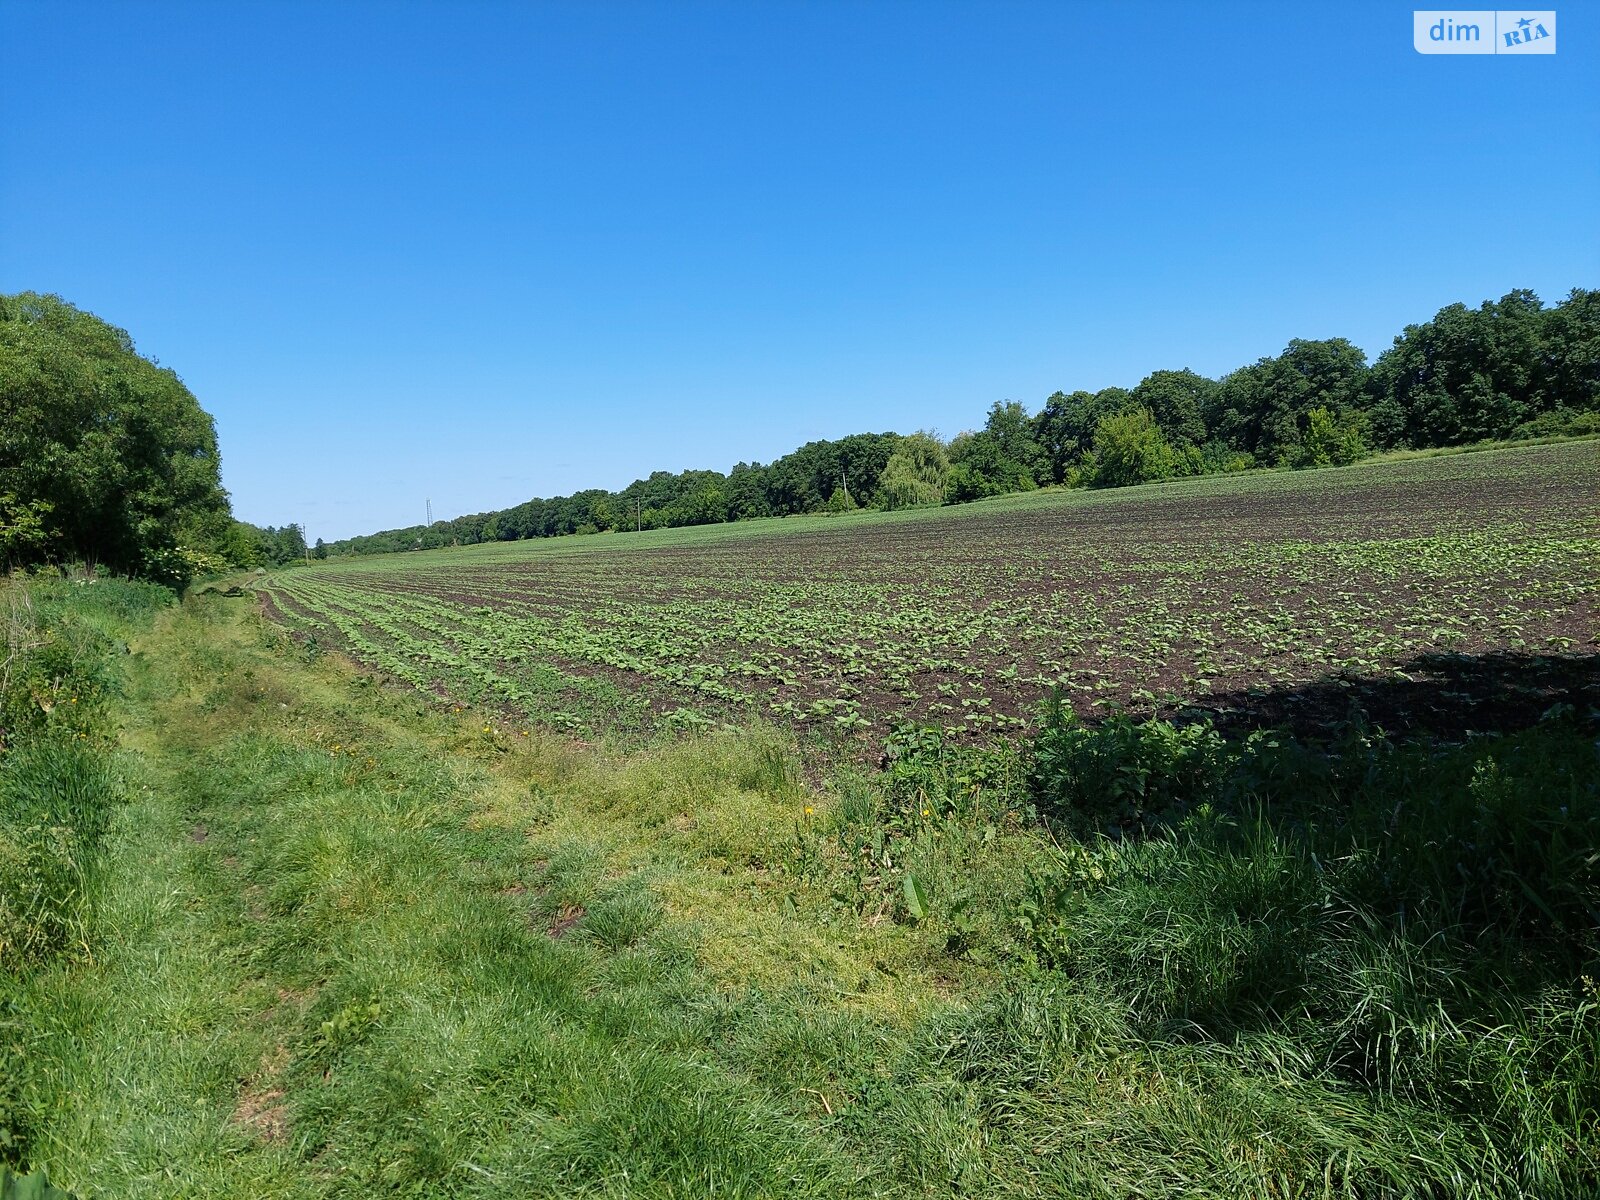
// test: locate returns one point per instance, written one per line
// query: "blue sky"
(476, 252)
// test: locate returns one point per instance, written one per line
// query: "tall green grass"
(59, 786)
(1414, 921)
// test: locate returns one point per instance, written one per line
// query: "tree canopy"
(106, 457)
(109, 454)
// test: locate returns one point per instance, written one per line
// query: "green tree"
(1470, 374)
(747, 492)
(915, 474)
(1571, 353)
(23, 533)
(1129, 448)
(1003, 456)
(1263, 408)
(1064, 428)
(114, 453)
(1329, 439)
(1178, 401)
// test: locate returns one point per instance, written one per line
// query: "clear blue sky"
(479, 252)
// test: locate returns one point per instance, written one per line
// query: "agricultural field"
(1264, 597)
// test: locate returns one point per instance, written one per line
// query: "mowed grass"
(349, 944)
(1211, 592)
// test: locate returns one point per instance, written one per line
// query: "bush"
(1123, 773)
(107, 456)
(1217, 458)
(1329, 440)
(1559, 422)
(1129, 448)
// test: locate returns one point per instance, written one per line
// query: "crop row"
(968, 624)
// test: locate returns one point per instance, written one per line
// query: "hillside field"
(1231, 593)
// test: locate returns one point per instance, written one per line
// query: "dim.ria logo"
(1484, 31)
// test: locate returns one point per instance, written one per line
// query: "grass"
(346, 943)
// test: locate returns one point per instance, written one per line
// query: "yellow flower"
(924, 812)
(809, 810)
(486, 729)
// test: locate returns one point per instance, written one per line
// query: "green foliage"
(916, 898)
(34, 1186)
(1328, 440)
(1178, 400)
(1123, 773)
(915, 475)
(1004, 456)
(107, 458)
(1219, 458)
(1560, 422)
(24, 536)
(348, 1026)
(1473, 374)
(1262, 409)
(1065, 427)
(255, 546)
(1129, 448)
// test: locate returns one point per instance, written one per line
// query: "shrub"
(1328, 440)
(1129, 448)
(1123, 773)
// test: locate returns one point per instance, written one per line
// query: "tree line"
(1508, 369)
(107, 458)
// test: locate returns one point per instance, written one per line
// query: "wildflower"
(925, 812)
(809, 810)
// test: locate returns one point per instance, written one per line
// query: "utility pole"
(638, 513)
(846, 482)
